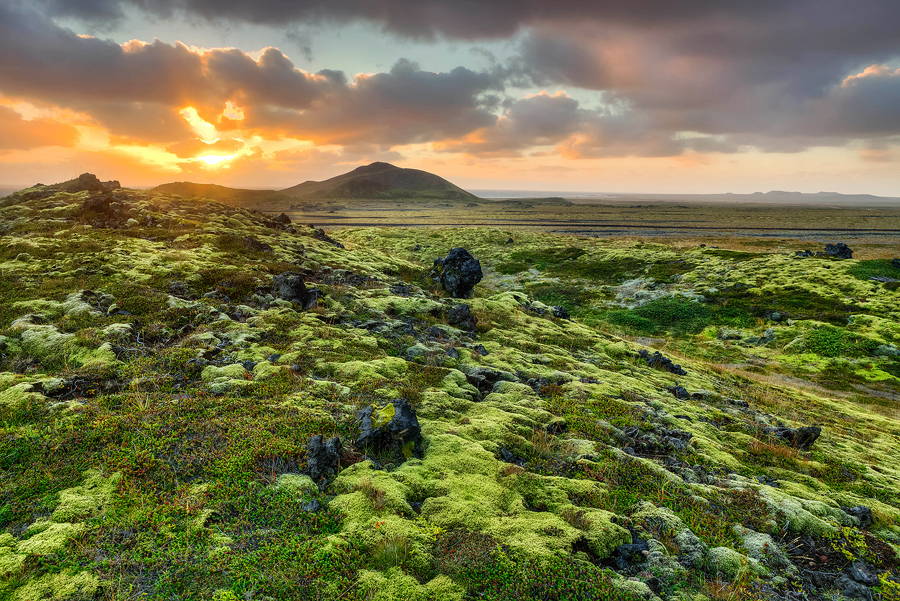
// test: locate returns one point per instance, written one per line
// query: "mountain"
(381, 180)
(230, 196)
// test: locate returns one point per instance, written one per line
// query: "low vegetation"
(158, 395)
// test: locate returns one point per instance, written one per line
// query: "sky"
(656, 96)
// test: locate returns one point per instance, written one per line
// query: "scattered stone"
(561, 313)
(852, 589)
(861, 572)
(801, 438)
(458, 272)
(320, 234)
(179, 289)
(324, 458)
(462, 317)
(895, 263)
(283, 219)
(312, 506)
(509, 457)
(838, 251)
(729, 334)
(393, 428)
(478, 348)
(658, 361)
(484, 378)
(634, 552)
(861, 513)
(290, 287)
(452, 353)
(254, 245)
(510, 241)
(679, 392)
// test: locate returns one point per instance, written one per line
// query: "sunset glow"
(596, 99)
(212, 159)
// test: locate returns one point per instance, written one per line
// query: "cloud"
(22, 134)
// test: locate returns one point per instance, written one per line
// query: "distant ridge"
(223, 194)
(380, 180)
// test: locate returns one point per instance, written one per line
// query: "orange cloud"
(23, 134)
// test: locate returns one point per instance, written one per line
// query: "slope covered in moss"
(158, 396)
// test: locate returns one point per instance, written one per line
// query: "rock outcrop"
(458, 272)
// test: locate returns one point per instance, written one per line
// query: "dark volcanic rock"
(459, 272)
(838, 251)
(636, 552)
(860, 572)
(253, 244)
(320, 234)
(852, 589)
(658, 361)
(801, 438)
(290, 287)
(895, 263)
(324, 459)
(462, 317)
(860, 512)
(561, 313)
(283, 219)
(91, 183)
(393, 428)
(679, 392)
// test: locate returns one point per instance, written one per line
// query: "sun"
(214, 159)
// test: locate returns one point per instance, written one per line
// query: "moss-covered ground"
(157, 400)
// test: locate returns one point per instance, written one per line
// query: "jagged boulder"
(393, 428)
(324, 458)
(801, 438)
(458, 272)
(283, 219)
(290, 287)
(838, 251)
(462, 317)
(658, 361)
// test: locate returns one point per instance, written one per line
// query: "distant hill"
(380, 180)
(223, 194)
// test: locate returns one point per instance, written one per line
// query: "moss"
(299, 484)
(45, 538)
(388, 368)
(393, 585)
(86, 499)
(15, 396)
(11, 562)
(731, 564)
(63, 586)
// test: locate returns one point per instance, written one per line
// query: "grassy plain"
(154, 431)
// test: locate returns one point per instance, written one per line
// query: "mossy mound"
(157, 398)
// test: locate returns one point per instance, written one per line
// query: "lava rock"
(860, 572)
(510, 241)
(393, 428)
(312, 506)
(852, 589)
(462, 317)
(658, 361)
(452, 353)
(801, 438)
(252, 244)
(290, 287)
(838, 251)
(895, 263)
(862, 513)
(324, 458)
(283, 219)
(459, 271)
(636, 552)
(320, 234)
(679, 392)
(561, 313)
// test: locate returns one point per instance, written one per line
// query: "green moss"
(15, 396)
(45, 538)
(86, 499)
(63, 586)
